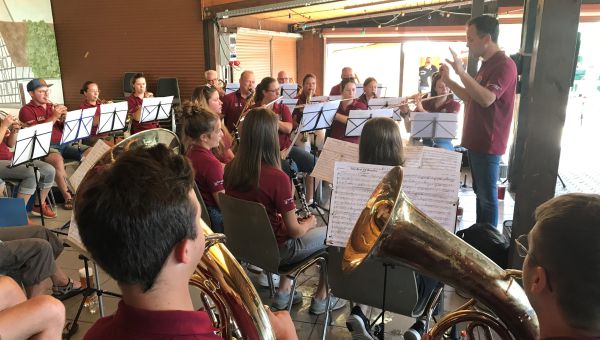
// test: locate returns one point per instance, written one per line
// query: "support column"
(545, 108)
(211, 47)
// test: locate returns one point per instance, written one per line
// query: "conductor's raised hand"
(456, 63)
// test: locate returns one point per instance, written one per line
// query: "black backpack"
(488, 240)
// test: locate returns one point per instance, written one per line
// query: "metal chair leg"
(292, 292)
(271, 284)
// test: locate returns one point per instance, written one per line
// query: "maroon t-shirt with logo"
(87, 105)
(449, 106)
(32, 114)
(208, 172)
(284, 114)
(338, 130)
(5, 153)
(486, 129)
(274, 192)
(336, 90)
(233, 104)
(133, 103)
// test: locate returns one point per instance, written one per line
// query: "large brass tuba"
(227, 293)
(393, 230)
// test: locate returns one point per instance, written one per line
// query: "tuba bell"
(227, 294)
(391, 229)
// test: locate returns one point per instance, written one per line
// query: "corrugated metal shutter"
(159, 39)
(254, 54)
(283, 57)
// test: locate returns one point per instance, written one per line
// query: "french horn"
(392, 230)
(227, 293)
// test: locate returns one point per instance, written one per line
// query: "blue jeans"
(216, 220)
(297, 249)
(69, 151)
(485, 170)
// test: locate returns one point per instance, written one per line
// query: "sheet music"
(382, 103)
(441, 159)
(435, 192)
(231, 87)
(413, 156)
(156, 108)
(334, 150)
(73, 237)
(96, 152)
(358, 118)
(434, 125)
(289, 91)
(289, 102)
(26, 144)
(110, 111)
(310, 116)
(78, 125)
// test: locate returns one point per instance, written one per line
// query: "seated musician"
(207, 97)
(235, 102)
(41, 317)
(212, 79)
(338, 127)
(441, 104)
(203, 132)
(309, 88)
(134, 104)
(266, 92)
(347, 74)
(9, 128)
(149, 239)
(255, 175)
(91, 95)
(369, 91)
(381, 144)
(561, 270)
(41, 110)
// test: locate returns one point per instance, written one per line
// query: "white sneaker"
(263, 280)
(254, 269)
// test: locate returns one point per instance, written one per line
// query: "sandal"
(68, 205)
(66, 291)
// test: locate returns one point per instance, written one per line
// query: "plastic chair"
(250, 238)
(127, 89)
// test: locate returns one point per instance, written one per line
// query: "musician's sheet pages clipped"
(97, 151)
(73, 237)
(431, 181)
(334, 150)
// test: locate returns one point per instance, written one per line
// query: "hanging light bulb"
(429, 16)
(379, 26)
(397, 28)
(333, 28)
(402, 14)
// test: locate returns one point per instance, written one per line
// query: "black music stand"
(385, 103)
(156, 108)
(319, 116)
(358, 118)
(78, 125)
(33, 143)
(434, 125)
(113, 117)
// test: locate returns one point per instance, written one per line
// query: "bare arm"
(215, 195)
(284, 127)
(341, 118)
(297, 229)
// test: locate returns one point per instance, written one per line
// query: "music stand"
(381, 90)
(231, 87)
(78, 125)
(358, 118)
(289, 91)
(384, 103)
(318, 116)
(434, 125)
(33, 143)
(289, 102)
(112, 117)
(156, 108)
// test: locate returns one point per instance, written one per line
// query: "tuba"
(227, 294)
(391, 229)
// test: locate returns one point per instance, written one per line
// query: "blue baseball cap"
(36, 83)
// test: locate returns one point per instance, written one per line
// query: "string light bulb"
(333, 28)
(363, 31)
(379, 26)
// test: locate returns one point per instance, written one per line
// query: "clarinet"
(303, 212)
(245, 109)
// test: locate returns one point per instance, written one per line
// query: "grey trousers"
(28, 253)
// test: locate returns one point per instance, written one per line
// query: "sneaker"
(48, 213)
(318, 306)
(263, 280)
(254, 269)
(280, 301)
(358, 325)
(64, 292)
(415, 332)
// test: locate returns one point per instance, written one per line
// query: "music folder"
(289, 91)
(434, 125)
(231, 87)
(289, 102)
(78, 125)
(156, 108)
(318, 116)
(358, 118)
(384, 103)
(32, 143)
(113, 117)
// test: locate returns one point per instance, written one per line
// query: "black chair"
(127, 89)
(168, 87)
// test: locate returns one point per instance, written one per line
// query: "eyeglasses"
(522, 245)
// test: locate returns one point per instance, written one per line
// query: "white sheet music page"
(413, 156)
(334, 150)
(353, 184)
(97, 151)
(73, 237)
(441, 159)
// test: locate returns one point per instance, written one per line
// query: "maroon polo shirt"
(336, 90)
(86, 105)
(285, 116)
(227, 142)
(297, 114)
(274, 192)
(233, 104)
(208, 173)
(486, 129)
(130, 323)
(449, 106)
(363, 99)
(5, 154)
(134, 103)
(33, 114)
(338, 130)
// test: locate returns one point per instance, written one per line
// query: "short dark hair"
(380, 143)
(85, 86)
(486, 24)
(136, 77)
(368, 81)
(346, 82)
(308, 76)
(434, 79)
(263, 86)
(567, 245)
(133, 213)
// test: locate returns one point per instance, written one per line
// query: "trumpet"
(16, 122)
